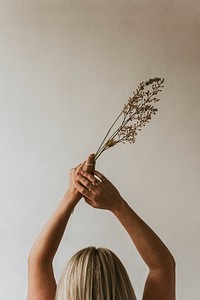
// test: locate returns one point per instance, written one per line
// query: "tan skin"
(100, 193)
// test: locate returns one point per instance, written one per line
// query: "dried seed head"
(137, 112)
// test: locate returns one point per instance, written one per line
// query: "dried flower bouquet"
(135, 115)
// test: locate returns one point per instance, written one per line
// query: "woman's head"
(95, 274)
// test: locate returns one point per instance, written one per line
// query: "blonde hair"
(95, 274)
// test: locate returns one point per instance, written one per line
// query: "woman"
(97, 274)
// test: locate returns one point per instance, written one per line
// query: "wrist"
(72, 196)
(119, 206)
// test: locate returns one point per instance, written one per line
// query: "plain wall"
(66, 70)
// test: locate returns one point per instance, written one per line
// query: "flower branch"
(136, 114)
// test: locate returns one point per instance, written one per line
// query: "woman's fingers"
(75, 171)
(100, 176)
(87, 180)
(87, 177)
(90, 159)
(79, 168)
(89, 164)
(82, 189)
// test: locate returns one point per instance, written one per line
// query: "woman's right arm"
(160, 283)
(41, 280)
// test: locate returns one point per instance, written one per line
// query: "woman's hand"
(98, 191)
(88, 166)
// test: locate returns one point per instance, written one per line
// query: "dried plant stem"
(138, 108)
(99, 149)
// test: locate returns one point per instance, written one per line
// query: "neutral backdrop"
(66, 70)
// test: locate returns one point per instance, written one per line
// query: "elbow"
(33, 254)
(31, 258)
(170, 259)
(170, 264)
(34, 257)
(167, 264)
(38, 258)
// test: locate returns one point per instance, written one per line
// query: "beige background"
(66, 69)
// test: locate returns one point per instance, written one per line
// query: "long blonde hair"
(95, 274)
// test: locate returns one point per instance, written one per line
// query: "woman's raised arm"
(160, 283)
(41, 281)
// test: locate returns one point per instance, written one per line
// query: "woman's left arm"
(41, 280)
